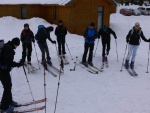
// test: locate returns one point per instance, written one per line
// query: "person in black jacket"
(105, 33)
(41, 36)
(90, 35)
(7, 57)
(27, 38)
(61, 32)
(133, 39)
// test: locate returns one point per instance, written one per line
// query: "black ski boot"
(132, 65)
(127, 64)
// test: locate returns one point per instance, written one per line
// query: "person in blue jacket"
(90, 35)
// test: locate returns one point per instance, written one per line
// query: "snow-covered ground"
(111, 91)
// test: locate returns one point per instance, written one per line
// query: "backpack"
(39, 27)
(1, 47)
(133, 31)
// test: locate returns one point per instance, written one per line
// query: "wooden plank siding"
(76, 16)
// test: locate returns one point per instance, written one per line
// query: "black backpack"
(1, 47)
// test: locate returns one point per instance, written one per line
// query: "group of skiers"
(43, 33)
(7, 56)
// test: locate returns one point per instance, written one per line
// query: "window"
(23, 12)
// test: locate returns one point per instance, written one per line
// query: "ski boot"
(90, 63)
(85, 64)
(132, 65)
(127, 64)
(14, 104)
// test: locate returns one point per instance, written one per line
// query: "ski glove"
(33, 41)
(127, 41)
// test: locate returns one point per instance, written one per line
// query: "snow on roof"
(43, 2)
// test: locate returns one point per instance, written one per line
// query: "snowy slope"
(111, 91)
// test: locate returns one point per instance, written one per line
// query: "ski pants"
(87, 47)
(132, 50)
(27, 50)
(104, 45)
(7, 85)
(61, 45)
(44, 48)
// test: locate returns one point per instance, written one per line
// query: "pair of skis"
(30, 67)
(132, 72)
(89, 68)
(31, 109)
(50, 71)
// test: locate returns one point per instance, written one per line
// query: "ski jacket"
(60, 32)
(8, 56)
(90, 35)
(134, 38)
(27, 36)
(42, 35)
(105, 35)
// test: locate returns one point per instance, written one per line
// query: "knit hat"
(137, 24)
(26, 25)
(92, 24)
(50, 28)
(16, 41)
(104, 28)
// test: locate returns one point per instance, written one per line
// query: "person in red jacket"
(27, 37)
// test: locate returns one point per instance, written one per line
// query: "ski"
(55, 68)
(101, 70)
(92, 68)
(86, 68)
(49, 71)
(65, 61)
(134, 72)
(30, 67)
(33, 102)
(129, 71)
(30, 110)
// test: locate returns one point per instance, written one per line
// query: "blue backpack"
(39, 27)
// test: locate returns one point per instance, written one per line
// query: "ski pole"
(96, 48)
(29, 86)
(61, 68)
(57, 52)
(36, 55)
(69, 51)
(45, 83)
(124, 56)
(74, 65)
(116, 49)
(148, 58)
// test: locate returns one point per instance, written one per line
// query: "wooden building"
(76, 14)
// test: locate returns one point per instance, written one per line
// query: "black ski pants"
(7, 85)
(87, 47)
(27, 50)
(44, 48)
(61, 45)
(105, 44)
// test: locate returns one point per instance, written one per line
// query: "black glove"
(127, 41)
(54, 42)
(149, 40)
(19, 65)
(115, 37)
